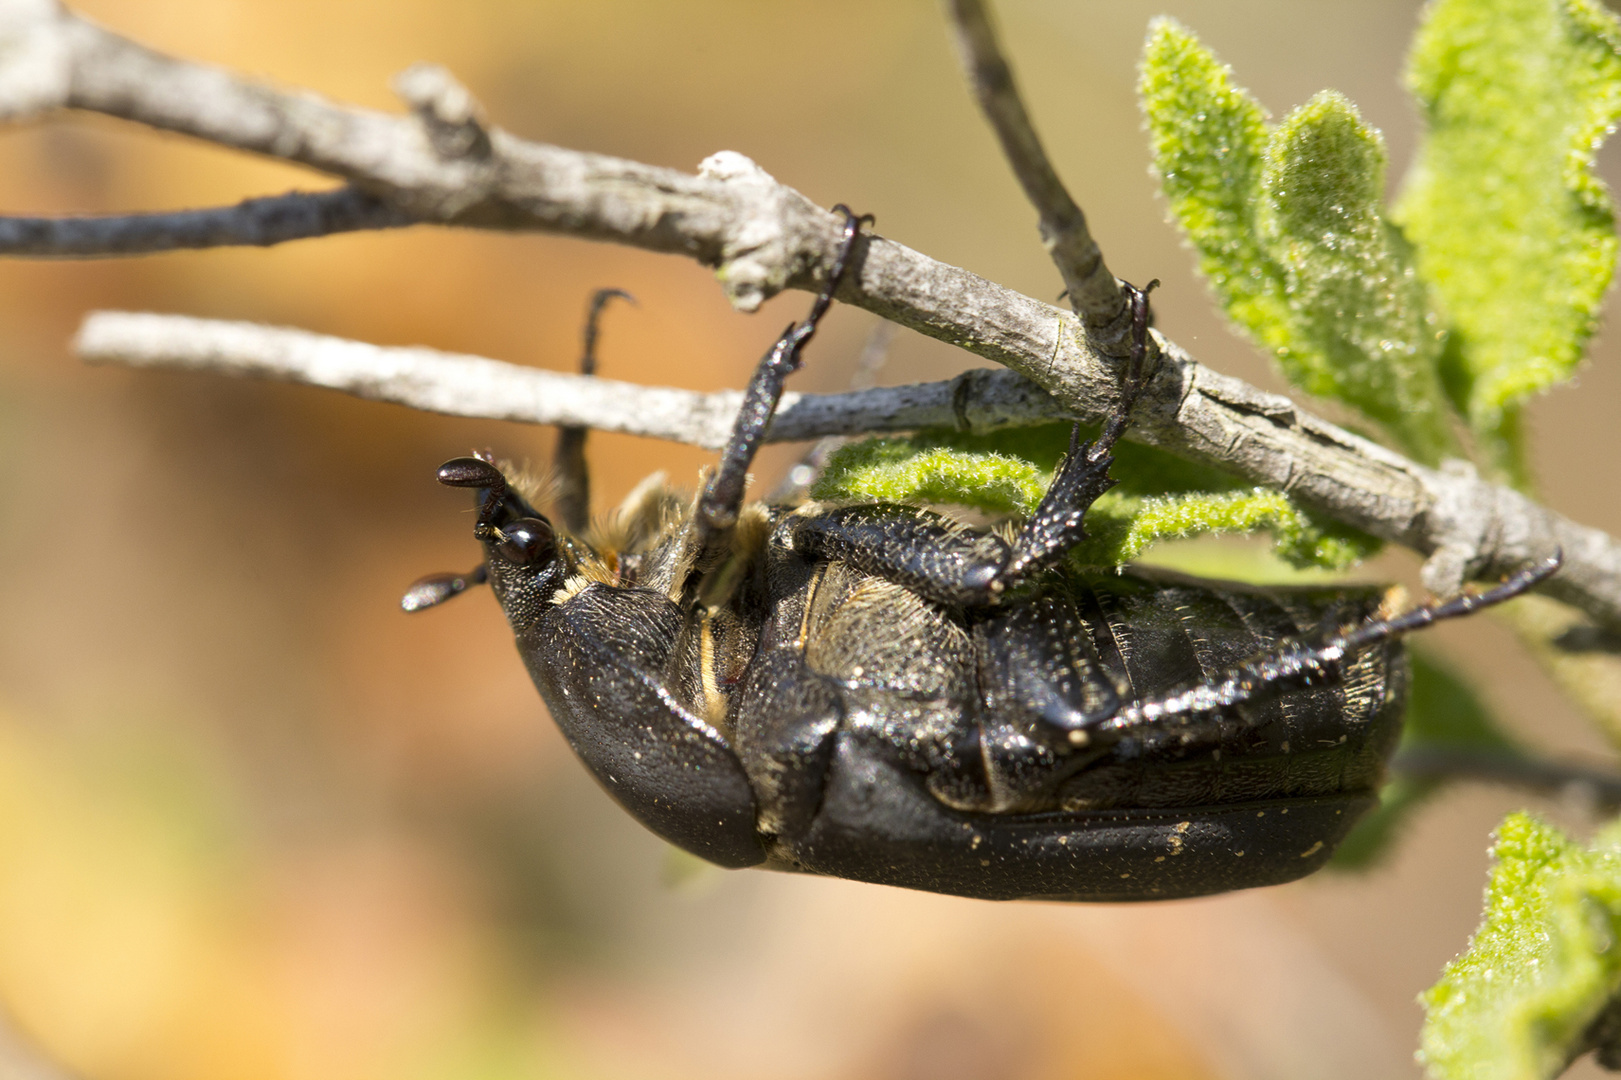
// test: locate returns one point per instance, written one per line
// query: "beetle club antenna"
(435, 589)
(473, 472)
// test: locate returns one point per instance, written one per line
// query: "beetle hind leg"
(1297, 664)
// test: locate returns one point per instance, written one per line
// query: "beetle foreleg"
(573, 478)
(723, 498)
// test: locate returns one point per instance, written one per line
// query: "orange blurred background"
(255, 824)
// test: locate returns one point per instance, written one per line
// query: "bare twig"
(1092, 289)
(255, 222)
(1596, 788)
(763, 237)
(978, 400)
(473, 386)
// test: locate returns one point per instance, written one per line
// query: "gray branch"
(254, 222)
(473, 386)
(1092, 289)
(444, 164)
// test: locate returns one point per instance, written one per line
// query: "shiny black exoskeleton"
(880, 693)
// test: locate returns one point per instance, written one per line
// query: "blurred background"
(256, 824)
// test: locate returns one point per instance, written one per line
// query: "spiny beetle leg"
(963, 568)
(931, 555)
(573, 499)
(723, 498)
(1297, 664)
(1058, 523)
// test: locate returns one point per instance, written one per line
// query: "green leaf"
(1290, 235)
(1442, 712)
(1208, 138)
(1121, 528)
(1361, 329)
(1543, 965)
(903, 470)
(1513, 230)
(1159, 497)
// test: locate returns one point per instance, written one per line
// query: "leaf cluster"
(1478, 288)
(1436, 318)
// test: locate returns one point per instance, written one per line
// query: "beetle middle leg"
(961, 568)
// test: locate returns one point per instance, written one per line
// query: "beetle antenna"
(573, 499)
(435, 589)
(478, 472)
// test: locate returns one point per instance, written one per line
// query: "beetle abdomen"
(950, 770)
(878, 824)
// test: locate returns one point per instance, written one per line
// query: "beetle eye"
(526, 540)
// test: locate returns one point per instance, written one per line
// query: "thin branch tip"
(1092, 290)
(259, 222)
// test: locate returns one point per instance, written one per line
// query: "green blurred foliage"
(1541, 968)
(1208, 138)
(1501, 216)
(1289, 232)
(1361, 330)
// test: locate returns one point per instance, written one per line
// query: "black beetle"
(877, 692)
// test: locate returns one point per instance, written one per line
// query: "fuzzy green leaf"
(1513, 230)
(1208, 138)
(902, 470)
(1290, 235)
(1361, 328)
(1542, 967)
(1159, 497)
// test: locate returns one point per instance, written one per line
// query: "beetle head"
(522, 560)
